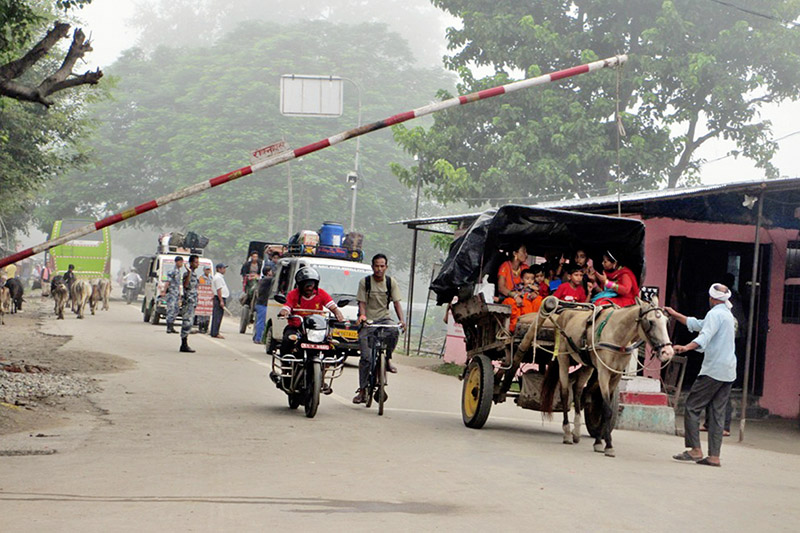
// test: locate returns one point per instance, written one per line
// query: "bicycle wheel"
(381, 382)
(371, 380)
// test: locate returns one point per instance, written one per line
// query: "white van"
(338, 277)
(154, 306)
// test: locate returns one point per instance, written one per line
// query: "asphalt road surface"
(205, 442)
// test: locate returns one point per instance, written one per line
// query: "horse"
(602, 340)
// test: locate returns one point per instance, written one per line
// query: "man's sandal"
(686, 457)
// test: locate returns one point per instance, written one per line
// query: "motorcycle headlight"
(316, 335)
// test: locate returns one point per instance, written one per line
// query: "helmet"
(306, 274)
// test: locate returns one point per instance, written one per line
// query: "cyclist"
(302, 300)
(375, 293)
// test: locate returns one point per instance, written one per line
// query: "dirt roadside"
(42, 382)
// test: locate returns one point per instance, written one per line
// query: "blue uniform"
(173, 294)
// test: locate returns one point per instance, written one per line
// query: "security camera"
(352, 178)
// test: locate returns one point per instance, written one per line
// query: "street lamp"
(352, 177)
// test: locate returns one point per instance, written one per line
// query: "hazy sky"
(107, 20)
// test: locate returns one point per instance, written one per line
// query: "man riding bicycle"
(375, 292)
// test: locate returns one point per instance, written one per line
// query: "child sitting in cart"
(541, 281)
(572, 291)
(526, 301)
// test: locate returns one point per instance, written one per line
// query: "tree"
(36, 142)
(19, 22)
(182, 22)
(698, 70)
(181, 115)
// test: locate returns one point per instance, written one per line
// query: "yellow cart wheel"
(477, 392)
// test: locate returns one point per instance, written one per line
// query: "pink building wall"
(782, 361)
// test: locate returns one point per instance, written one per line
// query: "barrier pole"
(288, 155)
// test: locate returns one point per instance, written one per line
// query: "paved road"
(204, 442)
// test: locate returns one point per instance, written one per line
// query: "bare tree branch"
(61, 79)
(14, 69)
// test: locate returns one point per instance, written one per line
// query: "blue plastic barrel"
(331, 234)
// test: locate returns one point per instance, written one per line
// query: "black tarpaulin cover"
(481, 249)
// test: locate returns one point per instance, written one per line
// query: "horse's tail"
(549, 385)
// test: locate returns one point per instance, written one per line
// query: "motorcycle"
(130, 291)
(303, 374)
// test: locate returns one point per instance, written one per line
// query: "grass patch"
(449, 369)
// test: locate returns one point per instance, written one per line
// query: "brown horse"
(602, 340)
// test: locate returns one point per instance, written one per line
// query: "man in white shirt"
(717, 374)
(221, 293)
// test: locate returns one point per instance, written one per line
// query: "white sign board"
(268, 151)
(311, 96)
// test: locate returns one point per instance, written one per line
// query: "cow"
(60, 294)
(81, 292)
(5, 302)
(14, 286)
(104, 287)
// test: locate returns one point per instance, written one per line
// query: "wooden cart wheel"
(477, 392)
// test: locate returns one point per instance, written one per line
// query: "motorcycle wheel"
(244, 320)
(294, 401)
(314, 385)
(381, 384)
(146, 310)
(154, 317)
(128, 297)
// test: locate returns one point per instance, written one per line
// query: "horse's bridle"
(642, 313)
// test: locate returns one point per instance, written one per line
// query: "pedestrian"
(172, 290)
(189, 301)
(45, 275)
(220, 298)
(717, 374)
(375, 294)
(262, 295)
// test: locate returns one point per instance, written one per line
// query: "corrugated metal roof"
(631, 202)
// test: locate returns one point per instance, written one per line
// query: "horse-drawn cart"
(501, 364)
(498, 369)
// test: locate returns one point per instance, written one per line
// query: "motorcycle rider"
(305, 298)
(132, 277)
(301, 301)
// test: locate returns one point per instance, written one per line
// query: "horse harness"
(583, 352)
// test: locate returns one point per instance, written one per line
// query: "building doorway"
(694, 264)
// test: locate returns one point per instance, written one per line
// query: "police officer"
(172, 288)
(190, 283)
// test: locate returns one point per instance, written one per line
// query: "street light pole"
(354, 181)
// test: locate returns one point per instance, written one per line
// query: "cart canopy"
(487, 243)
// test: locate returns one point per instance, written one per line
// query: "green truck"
(91, 254)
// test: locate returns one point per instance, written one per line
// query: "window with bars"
(791, 284)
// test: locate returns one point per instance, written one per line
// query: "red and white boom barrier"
(314, 147)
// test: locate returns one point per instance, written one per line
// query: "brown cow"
(5, 302)
(81, 292)
(104, 286)
(60, 295)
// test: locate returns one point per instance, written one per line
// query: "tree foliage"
(182, 115)
(36, 143)
(697, 71)
(179, 22)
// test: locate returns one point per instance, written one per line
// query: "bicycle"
(376, 382)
